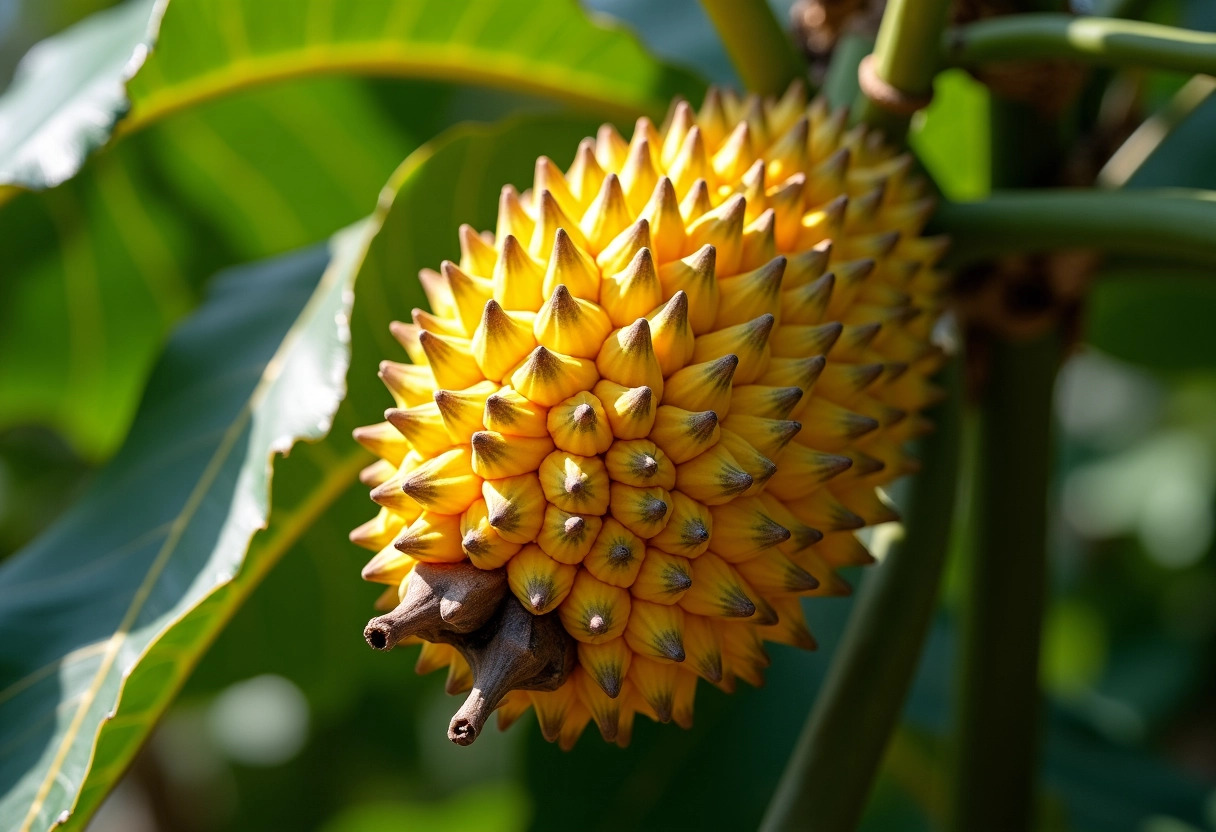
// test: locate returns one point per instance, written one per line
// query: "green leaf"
(168, 522)
(98, 270)
(951, 138)
(1155, 316)
(67, 95)
(210, 48)
(1184, 158)
(107, 613)
(101, 267)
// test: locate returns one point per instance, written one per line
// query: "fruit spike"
(644, 417)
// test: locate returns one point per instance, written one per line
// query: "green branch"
(761, 51)
(999, 698)
(906, 57)
(1173, 224)
(1094, 40)
(829, 776)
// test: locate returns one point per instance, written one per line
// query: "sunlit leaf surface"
(261, 366)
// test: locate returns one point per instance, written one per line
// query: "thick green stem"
(762, 53)
(1177, 225)
(840, 83)
(829, 776)
(906, 57)
(999, 702)
(1095, 40)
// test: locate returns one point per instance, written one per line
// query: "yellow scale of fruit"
(662, 394)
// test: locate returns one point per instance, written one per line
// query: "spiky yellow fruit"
(645, 415)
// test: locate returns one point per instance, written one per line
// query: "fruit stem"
(905, 58)
(828, 778)
(1173, 224)
(1105, 41)
(761, 51)
(999, 706)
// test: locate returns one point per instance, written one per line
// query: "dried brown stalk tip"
(516, 651)
(440, 600)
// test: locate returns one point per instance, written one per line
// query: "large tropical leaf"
(545, 46)
(106, 613)
(99, 269)
(67, 95)
(169, 520)
(209, 48)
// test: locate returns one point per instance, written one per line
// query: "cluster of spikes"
(644, 417)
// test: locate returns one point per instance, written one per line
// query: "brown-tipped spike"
(548, 378)
(633, 291)
(517, 279)
(681, 119)
(610, 683)
(723, 227)
(513, 220)
(570, 325)
(672, 332)
(610, 148)
(539, 599)
(547, 177)
(562, 302)
(696, 275)
(638, 174)
(736, 482)
(623, 248)
(500, 341)
(585, 174)
(666, 224)
(739, 605)
(671, 647)
(749, 341)
(676, 308)
(584, 415)
(639, 399)
(636, 336)
(607, 216)
(736, 154)
(571, 267)
(697, 202)
(476, 255)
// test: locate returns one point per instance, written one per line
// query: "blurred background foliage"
(290, 722)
